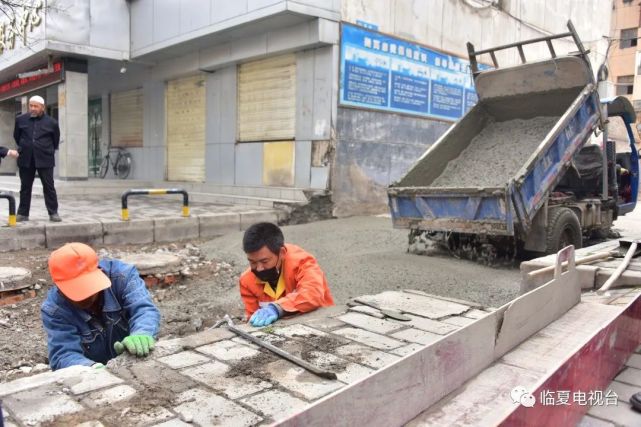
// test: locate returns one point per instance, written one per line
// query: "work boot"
(22, 218)
(55, 218)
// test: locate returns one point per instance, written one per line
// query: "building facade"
(283, 96)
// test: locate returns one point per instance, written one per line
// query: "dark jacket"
(37, 139)
(75, 337)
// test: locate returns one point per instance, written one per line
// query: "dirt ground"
(190, 305)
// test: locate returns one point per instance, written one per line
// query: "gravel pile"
(496, 154)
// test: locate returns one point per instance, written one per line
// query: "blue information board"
(390, 74)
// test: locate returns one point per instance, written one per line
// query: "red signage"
(19, 86)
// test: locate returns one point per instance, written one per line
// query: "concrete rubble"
(216, 378)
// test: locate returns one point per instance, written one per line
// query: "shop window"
(628, 38)
(625, 85)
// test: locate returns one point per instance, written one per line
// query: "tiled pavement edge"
(96, 220)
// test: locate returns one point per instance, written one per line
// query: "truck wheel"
(563, 229)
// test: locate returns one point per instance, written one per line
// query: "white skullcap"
(37, 99)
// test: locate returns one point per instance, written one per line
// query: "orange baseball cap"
(74, 270)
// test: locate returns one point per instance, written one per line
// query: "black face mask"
(269, 275)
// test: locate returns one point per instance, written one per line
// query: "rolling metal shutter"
(126, 118)
(267, 99)
(186, 129)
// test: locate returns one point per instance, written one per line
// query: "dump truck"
(529, 168)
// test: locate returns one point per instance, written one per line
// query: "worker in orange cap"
(281, 279)
(97, 310)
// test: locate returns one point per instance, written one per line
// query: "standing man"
(281, 278)
(37, 136)
(97, 310)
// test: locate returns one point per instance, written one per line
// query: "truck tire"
(563, 229)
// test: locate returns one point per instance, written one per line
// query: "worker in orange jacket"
(281, 278)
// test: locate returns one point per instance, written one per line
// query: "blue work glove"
(265, 316)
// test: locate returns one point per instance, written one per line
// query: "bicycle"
(121, 165)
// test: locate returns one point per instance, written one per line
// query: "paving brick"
(371, 339)
(370, 323)
(175, 229)
(228, 350)
(154, 374)
(174, 423)
(208, 409)
(135, 231)
(151, 415)
(57, 234)
(109, 396)
(216, 224)
(630, 376)
(429, 325)
(252, 217)
(183, 359)
(366, 355)
(325, 324)
(93, 423)
(41, 404)
(299, 331)
(92, 379)
(459, 321)
(370, 311)
(417, 336)
(213, 375)
(588, 421)
(623, 391)
(621, 414)
(167, 347)
(20, 238)
(299, 381)
(475, 314)
(420, 305)
(275, 404)
(405, 350)
(634, 361)
(34, 381)
(352, 372)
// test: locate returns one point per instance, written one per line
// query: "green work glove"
(98, 365)
(139, 345)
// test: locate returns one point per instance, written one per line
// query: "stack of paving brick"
(203, 379)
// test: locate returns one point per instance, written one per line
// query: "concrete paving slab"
(216, 224)
(326, 324)
(417, 336)
(420, 305)
(624, 391)
(174, 423)
(57, 234)
(175, 229)
(151, 415)
(589, 421)
(274, 404)
(153, 374)
(213, 375)
(352, 372)
(91, 380)
(10, 275)
(366, 355)
(370, 311)
(301, 382)
(429, 325)
(630, 376)
(183, 359)
(39, 380)
(93, 423)
(371, 339)
(156, 263)
(21, 237)
(207, 409)
(459, 321)
(298, 331)
(175, 345)
(40, 405)
(475, 313)
(228, 351)
(634, 361)
(252, 217)
(109, 396)
(407, 349)
(134, 231)
(370, 323)
(621, 414)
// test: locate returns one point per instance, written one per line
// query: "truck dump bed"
(495, 167)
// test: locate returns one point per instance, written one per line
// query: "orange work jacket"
(302, 285)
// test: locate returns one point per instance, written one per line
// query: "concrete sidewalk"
(95, 219)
